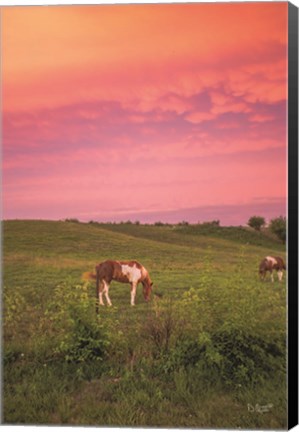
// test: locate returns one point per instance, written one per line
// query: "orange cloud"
(61, 54)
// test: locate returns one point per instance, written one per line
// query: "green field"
(209, 351)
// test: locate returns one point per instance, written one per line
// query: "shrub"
(256, 222)
(160, 328)
(247, 358)
(14, 308)
(78, 333)
(212, 223)
(183, 223)
(279, 227)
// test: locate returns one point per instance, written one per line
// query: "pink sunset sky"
(162, 112)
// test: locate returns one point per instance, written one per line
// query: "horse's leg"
(101, 289)
(280, 274)
(106, 292)
(272, 277)
(97, 293)
(133, 293)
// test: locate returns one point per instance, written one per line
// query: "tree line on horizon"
(276, 225)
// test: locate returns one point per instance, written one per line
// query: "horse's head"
(147, 289)
(262, 273)
(263, 268)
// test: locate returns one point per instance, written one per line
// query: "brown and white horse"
(131, 272)
(270, 263)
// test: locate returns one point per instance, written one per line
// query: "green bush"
(79, 334)
(247, 358)
(279, 227)
(256, 222)
(14, 308)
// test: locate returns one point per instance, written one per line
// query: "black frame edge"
(292, 216)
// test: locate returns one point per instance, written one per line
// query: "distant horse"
(269, 264)
(121, 271)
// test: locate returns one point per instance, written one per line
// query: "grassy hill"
(194, 233)
(196, 356)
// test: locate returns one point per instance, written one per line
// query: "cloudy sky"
(145, 112)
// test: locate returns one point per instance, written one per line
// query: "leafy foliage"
(256, 222)
(79, 335)
(14, 307)
(279, 227)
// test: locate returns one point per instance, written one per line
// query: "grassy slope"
(207, 234)
(38, 255)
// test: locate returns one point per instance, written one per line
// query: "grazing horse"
(121, 271)
(269, 264)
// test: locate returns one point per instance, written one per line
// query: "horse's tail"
(88, 276)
